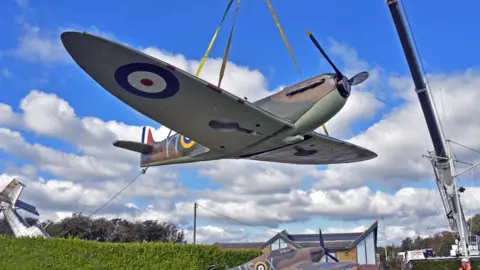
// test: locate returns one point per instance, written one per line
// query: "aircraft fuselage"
(307, 104)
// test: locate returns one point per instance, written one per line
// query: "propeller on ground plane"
(343, 84)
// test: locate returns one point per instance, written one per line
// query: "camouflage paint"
(173, 147)
(291, 108)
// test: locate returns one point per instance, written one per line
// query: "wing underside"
(316, 149)
(172, 97)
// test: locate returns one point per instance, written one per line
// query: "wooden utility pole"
(194, 223)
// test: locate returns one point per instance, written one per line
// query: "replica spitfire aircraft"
(293, 259)
(212, 123)
(9, 203)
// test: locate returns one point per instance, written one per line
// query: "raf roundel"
(147, 80)
(260, 266)
(186, 142)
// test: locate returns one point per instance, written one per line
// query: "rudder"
(147, 138)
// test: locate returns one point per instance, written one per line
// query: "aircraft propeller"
(344, 84)
(322, 244)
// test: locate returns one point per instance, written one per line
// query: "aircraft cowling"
(321, 112)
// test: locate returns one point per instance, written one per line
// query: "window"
(366, 250)
(275, 245)
(370, 249)
(325, 258)
(279, 243)
(361, 253)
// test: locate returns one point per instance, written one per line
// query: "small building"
(358, 247)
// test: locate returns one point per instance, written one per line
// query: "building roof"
(240, 245)
(332, 241)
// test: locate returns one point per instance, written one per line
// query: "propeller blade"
(333, 258)
(314, 40)
(322, 244)
(359, 78)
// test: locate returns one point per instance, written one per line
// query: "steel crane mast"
(440, 158)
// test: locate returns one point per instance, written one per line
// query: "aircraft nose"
(344, 88)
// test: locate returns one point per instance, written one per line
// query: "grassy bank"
(25, 253)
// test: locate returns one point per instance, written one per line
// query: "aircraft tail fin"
(147, 137)
(145, 147)
(11, 193)
(148, 142)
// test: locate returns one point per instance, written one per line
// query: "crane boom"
(442, 163)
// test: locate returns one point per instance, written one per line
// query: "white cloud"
(40, 45)
(401, 137)
(258, 193)
(35, 45)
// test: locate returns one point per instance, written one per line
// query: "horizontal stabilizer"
(27, 207)
(134, 146)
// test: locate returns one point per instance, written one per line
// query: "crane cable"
(143, 171)
(288, 47)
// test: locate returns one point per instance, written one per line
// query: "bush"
(58, 253)
(443, 265)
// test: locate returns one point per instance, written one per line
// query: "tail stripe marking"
(150, 137)
(143, 134)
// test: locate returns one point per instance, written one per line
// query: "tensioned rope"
(288, 47)
(110, 200)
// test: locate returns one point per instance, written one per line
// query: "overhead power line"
(236, 220)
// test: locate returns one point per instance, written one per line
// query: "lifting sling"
(227, 49)
(288, 47)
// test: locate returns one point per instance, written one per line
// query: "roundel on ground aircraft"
(147, 80)
(260, 266)
(186, 142)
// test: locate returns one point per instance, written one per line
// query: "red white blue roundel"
(147, 80)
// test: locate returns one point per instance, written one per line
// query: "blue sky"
(446, 34)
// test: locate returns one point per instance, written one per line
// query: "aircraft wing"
(306, 265)
(316, 149)
(170, 96)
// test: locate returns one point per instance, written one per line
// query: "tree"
(474, 224)
(407, 244)
(104, 230)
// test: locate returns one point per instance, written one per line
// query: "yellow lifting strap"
(288, 46)
(202, 62)
(227, 49)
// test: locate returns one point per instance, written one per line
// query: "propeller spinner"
(344, 84)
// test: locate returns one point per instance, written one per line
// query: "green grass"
(58, 253)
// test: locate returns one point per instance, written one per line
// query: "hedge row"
(443, 265)
(58, 253)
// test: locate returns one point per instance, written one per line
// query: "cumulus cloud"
(401, 137)
(262, 194)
